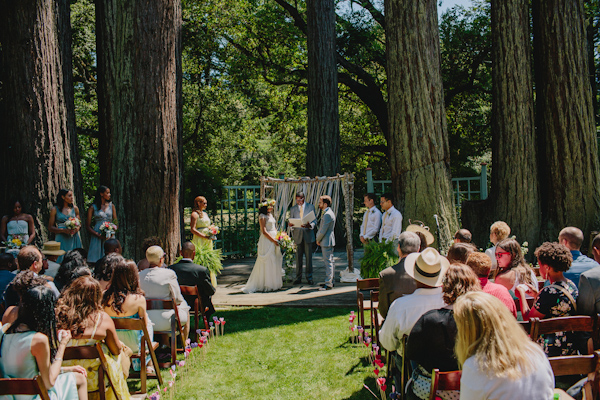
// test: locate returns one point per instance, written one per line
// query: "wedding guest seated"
(52, 251)
(459, 252)
(79, 310)
(462, 236)
(104, 268)
(432, 339)
(573, 238)
(498, 360)
(125, 299)
(481, 264)
(555, 300)
(146, 244)
(498, 232)
(30, 347)
(394, 282)
(190, 274)
(71, 261)
(29, 258)
(588, 302)
(161, 283)
(112, 246)
(24, 281)
(427, 269)
(6, 271)
(513, 271)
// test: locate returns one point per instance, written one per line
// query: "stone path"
(236, 272)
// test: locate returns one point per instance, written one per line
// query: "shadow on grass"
(364, 394)
(241, 319)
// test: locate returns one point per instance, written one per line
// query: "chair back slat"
(20, 386)
(130, 324)
(580, 365)
(81, 353)
(189, 290)
(367, 284)
(444, 381)
(580, 323)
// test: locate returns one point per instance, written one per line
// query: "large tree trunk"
(37, 131)
(139, 52)
(514, 197)
(323, 148)
(419, 154)
(569, 170)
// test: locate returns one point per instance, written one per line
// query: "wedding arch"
(339, 187)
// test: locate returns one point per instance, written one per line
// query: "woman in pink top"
(481, 264)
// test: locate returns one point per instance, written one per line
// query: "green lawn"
(278, 353)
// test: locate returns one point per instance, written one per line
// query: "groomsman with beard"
(326, 239)
(304, 237)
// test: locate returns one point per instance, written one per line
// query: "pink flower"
(188, 341)
(380, 381)
(181, 363)
(218, 322)
(376, 371)
(221, 319)
(171, 383)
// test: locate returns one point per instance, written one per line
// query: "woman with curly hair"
(555, 300)
(79, 311)
(498, 360)
(31, 346)
(125, 299)
(432, 339)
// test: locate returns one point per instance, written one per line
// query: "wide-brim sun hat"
(423, 229)
(427, 267)
(52, 248)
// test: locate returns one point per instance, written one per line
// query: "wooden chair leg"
(143, 365)
(173, 341)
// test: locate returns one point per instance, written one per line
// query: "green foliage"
(378, 256)
(209, 257)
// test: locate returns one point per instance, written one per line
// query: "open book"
(308, 218)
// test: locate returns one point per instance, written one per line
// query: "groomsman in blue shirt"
(371, 220)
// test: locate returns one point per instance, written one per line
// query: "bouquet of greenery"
(288, 248)
(378, 256)
(209, 257)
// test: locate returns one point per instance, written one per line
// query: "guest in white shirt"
(498, 360)
(391, 221)
(427, 269)
(498, 232)
(371, 220)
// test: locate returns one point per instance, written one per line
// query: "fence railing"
(469, 188)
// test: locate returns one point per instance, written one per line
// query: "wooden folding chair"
(176, 328)
(139, 324)
(580, 365)
(199, 309)
(579, 323)
(444, 381)
(376, 318)
(526, 325)
(364, 285)
(91, 353)
(20, 386)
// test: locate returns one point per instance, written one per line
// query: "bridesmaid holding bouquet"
(101, 213)
(64, 222)
(203, 236)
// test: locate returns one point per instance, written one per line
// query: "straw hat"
(154, 254)
(427, 267)
(418, 226)
(52, 249)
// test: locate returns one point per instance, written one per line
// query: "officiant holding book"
(303, 235)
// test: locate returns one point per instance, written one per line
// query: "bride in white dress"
(266, 275)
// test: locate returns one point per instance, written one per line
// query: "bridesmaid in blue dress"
(102, 210)
(18, 225)
(30, 347)
(64, 209)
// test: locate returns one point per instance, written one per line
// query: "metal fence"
(470, 188)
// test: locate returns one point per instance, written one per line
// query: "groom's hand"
(307, 226)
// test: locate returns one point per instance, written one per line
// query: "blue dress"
(67, 242)
(16, 361)
(96, 251)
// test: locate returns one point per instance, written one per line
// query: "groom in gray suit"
(326, 239)
(304, 237)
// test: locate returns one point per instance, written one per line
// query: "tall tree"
(569, 169)
(139, 94)
(514, 196)
(37, 109)
(419, 153)
(323, 147)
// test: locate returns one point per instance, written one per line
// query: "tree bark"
(419, 152)
(323, 147)
(514, 196)
(139, 91)
(37, 130)
(569, 169)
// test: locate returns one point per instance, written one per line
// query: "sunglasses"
(502, 253)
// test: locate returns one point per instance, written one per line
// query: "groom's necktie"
(366, 222)
(302, 211)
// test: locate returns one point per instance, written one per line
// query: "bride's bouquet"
(73, 223)
(211, 232)
(108, 229)
(15, 241)
(288, 248)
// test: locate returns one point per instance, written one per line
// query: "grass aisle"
(279, 353)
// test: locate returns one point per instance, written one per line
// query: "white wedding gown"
(266, 275)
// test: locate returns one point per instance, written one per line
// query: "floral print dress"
(552, 302)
